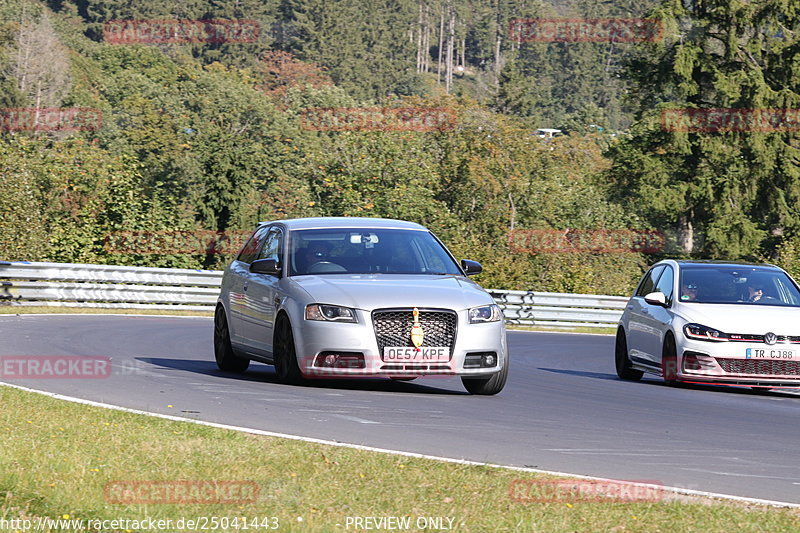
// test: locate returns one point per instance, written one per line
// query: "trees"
(189, 142)
(365, 45)
(726, 189)
(43, 78)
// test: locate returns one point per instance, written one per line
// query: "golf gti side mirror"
(656, 298)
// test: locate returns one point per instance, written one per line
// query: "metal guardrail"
(72, 285)
(105, 286)
(559, 309)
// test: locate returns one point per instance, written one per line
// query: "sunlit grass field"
(57, 459)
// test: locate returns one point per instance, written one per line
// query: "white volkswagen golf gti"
(712, 322)
(354, 297)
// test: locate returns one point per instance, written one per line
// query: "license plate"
(770, 353)
(424, 353)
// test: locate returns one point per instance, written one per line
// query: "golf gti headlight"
(330, 313)
(486, 313)
(700, 332)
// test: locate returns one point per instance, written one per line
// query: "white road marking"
(229, 392)
(664, 453)
(253, 431)
(624, 454)
(355, 419)
(734, 474)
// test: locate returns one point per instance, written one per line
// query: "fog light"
(489, 360)
(690, 362)
(330, 360)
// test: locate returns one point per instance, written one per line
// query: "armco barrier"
(559, 309)
(71, 285)
(106, 286)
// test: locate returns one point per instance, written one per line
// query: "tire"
(285, 356)
(487, 386)
(669, 361)
(621, 360)
(223, 352)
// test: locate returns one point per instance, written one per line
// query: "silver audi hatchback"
(348, 297)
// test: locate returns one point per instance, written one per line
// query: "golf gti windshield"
(739, 285)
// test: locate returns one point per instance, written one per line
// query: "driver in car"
(317, 251)
(755, 293)
(688, 292)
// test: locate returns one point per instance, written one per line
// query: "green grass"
(57, 456)
(11, 310)
(564, 329)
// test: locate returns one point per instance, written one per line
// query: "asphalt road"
(563, 408)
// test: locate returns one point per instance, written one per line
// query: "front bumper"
(355, 347)
(739, 363)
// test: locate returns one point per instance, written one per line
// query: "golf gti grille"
(760, 367)
(751, 337)
(393, 327)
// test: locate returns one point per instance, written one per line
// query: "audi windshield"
(368, 251)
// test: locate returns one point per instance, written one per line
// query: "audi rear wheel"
(223, 352)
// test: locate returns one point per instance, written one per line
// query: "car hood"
(741, 318)
(375, 291)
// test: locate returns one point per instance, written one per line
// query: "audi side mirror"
(266, 266)
(471, 267)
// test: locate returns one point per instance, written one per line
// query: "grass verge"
(11, 310)
(564, 329)
(57, 457)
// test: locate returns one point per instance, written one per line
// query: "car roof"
(345, 222)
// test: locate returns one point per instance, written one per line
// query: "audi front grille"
(393, 327)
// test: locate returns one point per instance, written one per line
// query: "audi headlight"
(700, 332)
(486, 313)
(330, 313)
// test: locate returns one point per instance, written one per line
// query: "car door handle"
(245, 286)
(645, 311)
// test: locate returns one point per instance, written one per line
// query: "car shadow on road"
(260, 373)
(734, 389)
(654, 380)
(596, 375)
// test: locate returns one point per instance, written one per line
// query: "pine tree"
(722, 191)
